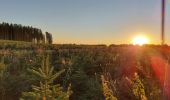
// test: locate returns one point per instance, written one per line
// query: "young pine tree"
(46, 89)
(108, 93)
(138, 88)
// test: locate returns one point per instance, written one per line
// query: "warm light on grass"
(140, 40)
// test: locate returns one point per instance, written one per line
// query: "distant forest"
(17, 32)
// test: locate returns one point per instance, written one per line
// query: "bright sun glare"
(140, 40)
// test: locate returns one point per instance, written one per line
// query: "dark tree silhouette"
(17, 32)
(49, 39)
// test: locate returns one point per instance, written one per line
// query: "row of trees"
(17, 32)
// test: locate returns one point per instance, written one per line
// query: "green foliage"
(84, 87)
(138, 89)
(108, 93)
(46, 90)
(83, 66)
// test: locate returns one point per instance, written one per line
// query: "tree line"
(17, 32)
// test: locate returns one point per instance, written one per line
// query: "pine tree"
(46, 90)
(108, 93)
(138, 89)
(49, 38)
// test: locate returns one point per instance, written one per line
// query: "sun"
(140, 40)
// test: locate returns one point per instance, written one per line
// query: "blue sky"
(89, 21)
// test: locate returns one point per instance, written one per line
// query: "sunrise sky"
(89, 21)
